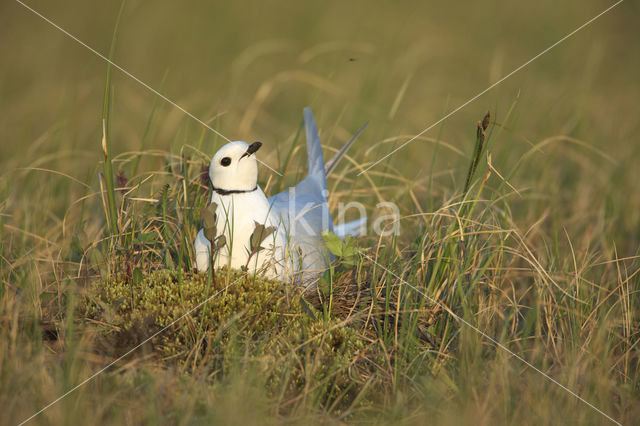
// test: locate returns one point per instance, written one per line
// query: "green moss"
(259, 320)
(164, 296)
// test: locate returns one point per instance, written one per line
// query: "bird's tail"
(354, 228)
(314, 148)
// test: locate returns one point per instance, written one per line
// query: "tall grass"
(538, 248)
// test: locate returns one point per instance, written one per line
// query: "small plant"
(347, 251)
(477, 152)
(208, 215)
(347, 254)
(259, 234)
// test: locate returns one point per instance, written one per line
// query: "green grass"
(538, 248)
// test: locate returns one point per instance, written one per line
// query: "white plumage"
(301, 213)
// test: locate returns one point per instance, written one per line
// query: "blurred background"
(248, 69)
(564, 133)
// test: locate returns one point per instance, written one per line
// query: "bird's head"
(234, 167)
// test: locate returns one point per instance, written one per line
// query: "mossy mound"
(164, 296)
(264, 321)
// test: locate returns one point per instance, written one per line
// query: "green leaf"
(168, 260)
(307, 309)
(145, 238)
(210, 234)
(208, 215)
(350, 251)
(137, 276)
(346, 250)
(333, 242)
(324, 282)
(258, 229)
(260, 233)
(220, 242)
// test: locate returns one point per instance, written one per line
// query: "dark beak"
(252, 148)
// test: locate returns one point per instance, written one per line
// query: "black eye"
(225, 161)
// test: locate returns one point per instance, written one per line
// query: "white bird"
(296, 250)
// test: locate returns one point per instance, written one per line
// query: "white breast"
(283, 255)
(236, 215)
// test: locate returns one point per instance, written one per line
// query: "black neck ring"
(233, 191)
